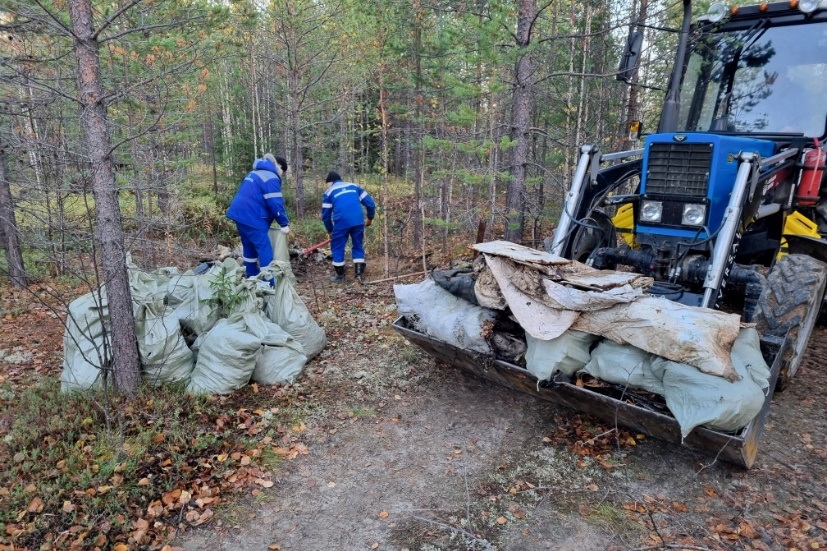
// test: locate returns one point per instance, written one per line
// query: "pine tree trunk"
(419, 159)
(520, 120)
(125, 363)
(8, 230)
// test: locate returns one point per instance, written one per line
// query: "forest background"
(449, 113)
(126, 126)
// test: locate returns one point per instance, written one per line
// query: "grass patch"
(608, 514)
(363, 412)
(74, 476)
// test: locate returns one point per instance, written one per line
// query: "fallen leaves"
(181, 456)
(35, 505)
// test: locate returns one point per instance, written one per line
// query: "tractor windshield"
(759, 80)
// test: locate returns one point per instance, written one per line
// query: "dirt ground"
(405, 453)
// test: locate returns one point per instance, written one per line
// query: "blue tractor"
(724, 206)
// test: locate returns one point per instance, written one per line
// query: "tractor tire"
(789, 305)
(599, 233)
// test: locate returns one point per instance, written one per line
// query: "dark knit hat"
(332, 176)
(282, 162)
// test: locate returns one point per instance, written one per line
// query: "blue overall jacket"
(342, 206)
(258, 201)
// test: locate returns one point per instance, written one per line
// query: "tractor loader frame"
(724, 206)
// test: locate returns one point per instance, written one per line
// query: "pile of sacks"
(574, 318)
(214, 331)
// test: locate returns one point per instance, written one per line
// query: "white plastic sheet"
(444, 316)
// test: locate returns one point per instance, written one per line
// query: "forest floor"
(400, 452)
(406, 453)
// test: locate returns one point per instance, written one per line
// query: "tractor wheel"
(599, 232)
(790, 304)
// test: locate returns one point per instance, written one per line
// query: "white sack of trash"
(708, 368)
(214, 331)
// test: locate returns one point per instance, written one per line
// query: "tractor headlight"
(693, 214)
(651, 211)
(809, 6)
(716, 12)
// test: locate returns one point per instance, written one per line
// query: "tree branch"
(149, 28)
(60, 26)
(114, 16)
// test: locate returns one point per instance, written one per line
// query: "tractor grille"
(679, 169)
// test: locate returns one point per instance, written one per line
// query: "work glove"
(369, 222)
(285, 229)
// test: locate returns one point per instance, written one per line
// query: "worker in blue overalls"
(256, 204)
(343, 217)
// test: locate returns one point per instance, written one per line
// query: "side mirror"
(631, 56)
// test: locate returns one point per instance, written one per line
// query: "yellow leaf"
(383, 514)
(121, 547)
(144, 482)
(254, 385)
(191, 105)
(274, 546)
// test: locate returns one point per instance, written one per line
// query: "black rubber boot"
(359, 268)
(340, 275)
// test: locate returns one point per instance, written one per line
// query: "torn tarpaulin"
(608, 304)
